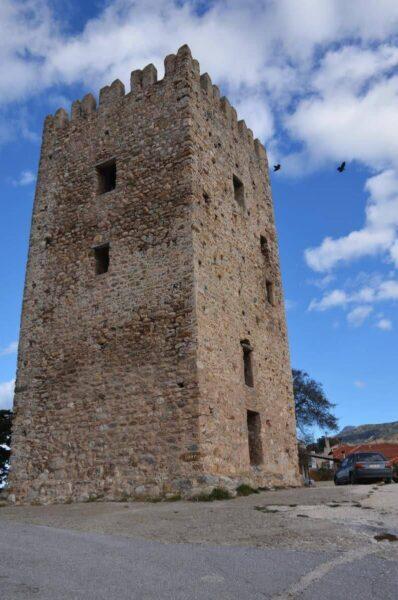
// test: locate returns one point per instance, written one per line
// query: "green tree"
(311, 404)
(5, 441)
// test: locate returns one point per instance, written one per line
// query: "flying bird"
(277, 167)
(341, 167)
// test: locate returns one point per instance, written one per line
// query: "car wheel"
(353, 479)
(388, 480)
(336, 481)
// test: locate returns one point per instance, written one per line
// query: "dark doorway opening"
(247, 362)
(270, 291)
(239, 191)
(101, 254)
(106, 174)
(264, 248)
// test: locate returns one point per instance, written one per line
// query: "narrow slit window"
(270, 292)
(101, 254)
(106, 176)
(247, 363)
(264, 248)
(254, 437)
(239, 191)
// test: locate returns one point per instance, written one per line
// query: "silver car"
(363, 466)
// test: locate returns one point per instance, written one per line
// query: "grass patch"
(220, 494)
(216, 494)
(246, 490)
(95, 497)
(125, 497)
(92, 498)
(175, 498)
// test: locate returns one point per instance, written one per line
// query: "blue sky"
(316, 81)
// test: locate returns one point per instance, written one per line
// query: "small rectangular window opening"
(101, 254)
(264, 247)
(247, 362)
(239, 191)
(254, 435)
(106, 174)
(270, 291)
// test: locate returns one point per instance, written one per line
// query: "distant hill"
(382, 432)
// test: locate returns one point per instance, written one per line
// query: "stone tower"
(153, 356)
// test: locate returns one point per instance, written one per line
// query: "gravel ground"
(325, 516)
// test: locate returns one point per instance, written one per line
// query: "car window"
(371, 457)
(344, 463)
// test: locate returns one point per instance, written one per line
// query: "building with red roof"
(390, 451)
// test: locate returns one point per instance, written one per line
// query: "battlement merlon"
(141, 82)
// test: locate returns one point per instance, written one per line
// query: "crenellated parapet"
(142, 82)
(231, 117)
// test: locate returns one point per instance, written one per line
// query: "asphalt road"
(46, 563)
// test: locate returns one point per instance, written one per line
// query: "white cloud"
(394, 253)
(351, 66)
(330, 300)
(332, 127)
(25, 178)
(27, 34)
(357, 316)
(378, 234)
(323, 282)
(271, 46)
(359, 384)
(353, 98)
(6, 394)
(10, 349)
(388, 290)
(384, 324)
(258, 116)
(376, 291)
(266, 55)
(353, 246)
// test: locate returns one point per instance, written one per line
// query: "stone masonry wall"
(129, 382)
(231, 271)
(106, 395)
